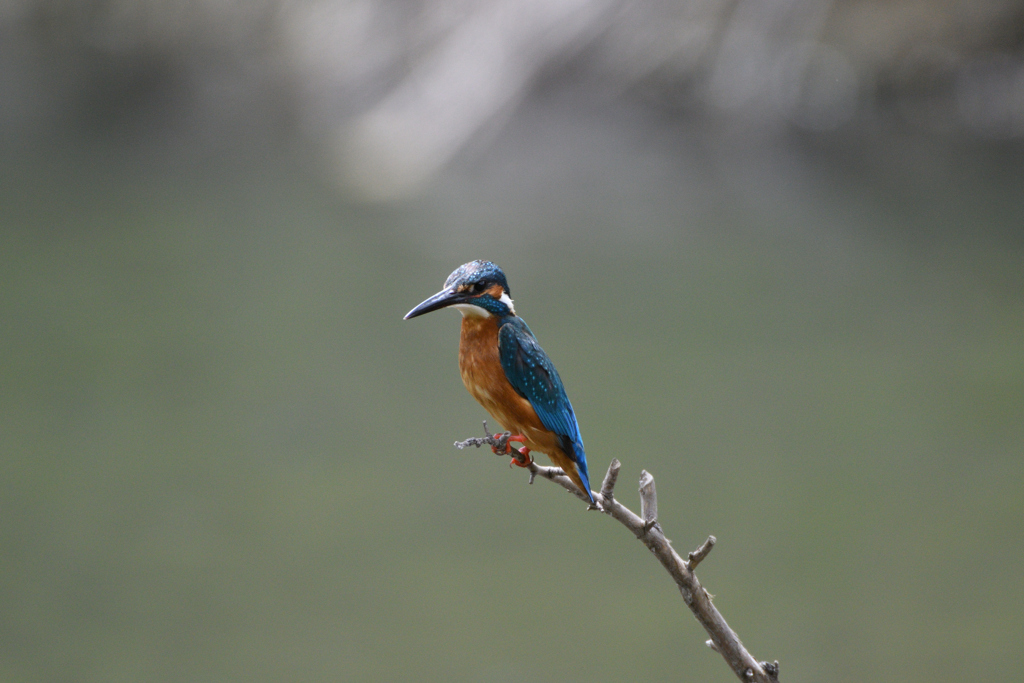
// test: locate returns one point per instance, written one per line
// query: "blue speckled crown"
(478, 271)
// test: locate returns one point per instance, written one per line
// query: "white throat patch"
(507, 301)
(472, 311)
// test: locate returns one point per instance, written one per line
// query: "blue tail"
(581, 466)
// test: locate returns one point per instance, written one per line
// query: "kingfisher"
(507, 371)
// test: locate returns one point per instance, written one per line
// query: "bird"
(507, 371)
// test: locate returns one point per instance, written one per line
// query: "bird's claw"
(522, 457)
(500, 443)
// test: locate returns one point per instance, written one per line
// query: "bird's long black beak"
(444, 298)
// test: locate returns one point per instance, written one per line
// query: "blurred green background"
(226, 457)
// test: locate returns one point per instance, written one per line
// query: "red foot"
(521, 456)
(508, 445)
(523, 459)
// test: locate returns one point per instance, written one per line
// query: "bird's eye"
(478, 287)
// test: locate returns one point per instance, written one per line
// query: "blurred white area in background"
(390, 92)
(474, 76)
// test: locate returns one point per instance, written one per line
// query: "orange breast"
(480, 365)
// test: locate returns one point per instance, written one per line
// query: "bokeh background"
(773, 246)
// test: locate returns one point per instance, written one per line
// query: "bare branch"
(646, 528)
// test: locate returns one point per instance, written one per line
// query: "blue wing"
(534, 377)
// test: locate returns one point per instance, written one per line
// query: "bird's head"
(476, 288)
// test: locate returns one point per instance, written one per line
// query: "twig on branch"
(648, 500)
(610, 477)
(646, 528)
(698, 555)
